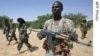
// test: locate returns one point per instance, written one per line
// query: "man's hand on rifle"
(63, 36)
(41, 35)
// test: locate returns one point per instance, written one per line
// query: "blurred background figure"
(12, 31)
(84, 28)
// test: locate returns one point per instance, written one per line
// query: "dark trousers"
(84, 34)
(11, 37)
(20, 44)
(7, 35)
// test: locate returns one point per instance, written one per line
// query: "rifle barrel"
(34, 30)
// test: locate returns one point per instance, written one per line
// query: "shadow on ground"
(34, 48)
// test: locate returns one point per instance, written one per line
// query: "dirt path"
(78, 50)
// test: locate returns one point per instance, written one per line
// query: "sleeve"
(71, 27)
(45, 25)
(23, 29)
(14, 27)
(72, 31)
(81, 27)
(41, 34)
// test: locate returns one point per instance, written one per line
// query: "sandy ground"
(78, 50)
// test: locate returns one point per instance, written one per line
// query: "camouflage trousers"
(11, 37)
(84, 34)
(21, 42)
(7, 35)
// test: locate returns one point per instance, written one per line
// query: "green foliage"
(2, 18)
(28, 23)
(76, 18)
(39, 23)
(90, 23)
(41, 20)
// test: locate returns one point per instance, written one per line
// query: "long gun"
(49, 35)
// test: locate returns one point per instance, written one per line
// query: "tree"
(90, 24)
(2, 18)
(76, 18)
(41, 20)
(28, 23)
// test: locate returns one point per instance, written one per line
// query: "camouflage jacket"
(23, 32)
(6, 27)
(84, 27)
(13, 28)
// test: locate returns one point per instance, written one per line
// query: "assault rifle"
(49, 35)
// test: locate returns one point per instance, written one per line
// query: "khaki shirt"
(65, 26)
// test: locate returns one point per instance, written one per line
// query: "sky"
(30, 9)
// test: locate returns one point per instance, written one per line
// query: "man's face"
(56, 8)
(20, 22)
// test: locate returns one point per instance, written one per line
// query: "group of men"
(62, 41)
(10, 29)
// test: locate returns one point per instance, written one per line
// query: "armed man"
(23, 36)
(12, 31)
(6, 28)
(84, 28)
(64, 27)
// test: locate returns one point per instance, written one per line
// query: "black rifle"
(49, 35)
(89, 44)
